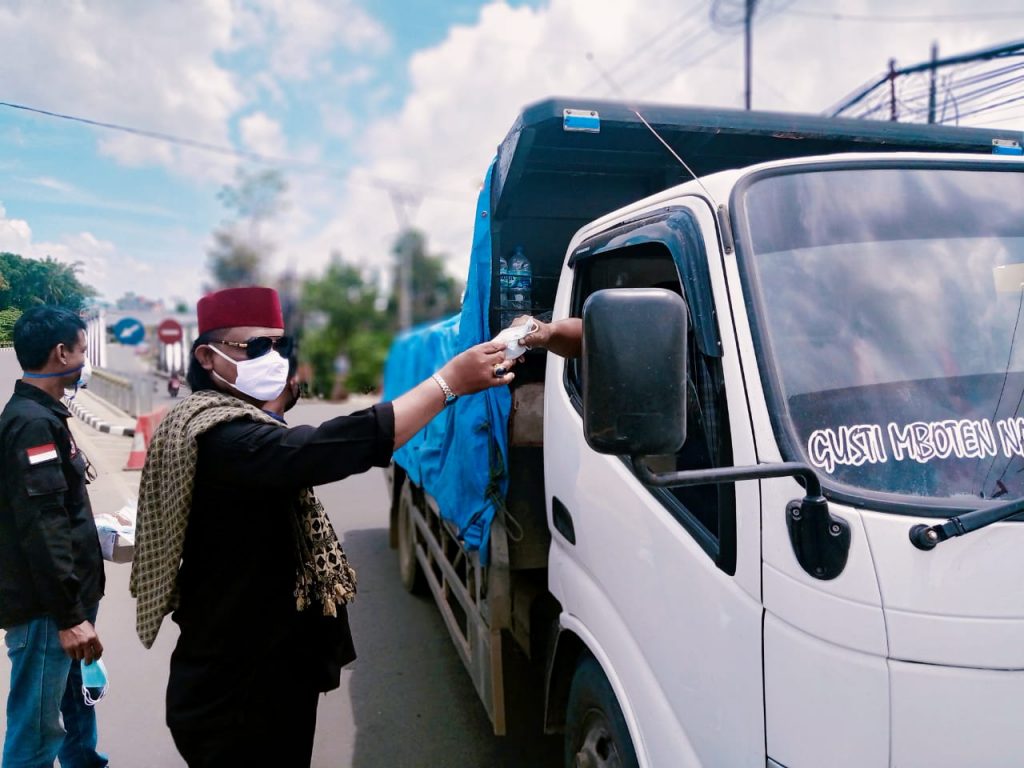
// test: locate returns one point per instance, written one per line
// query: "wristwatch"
(449, 396)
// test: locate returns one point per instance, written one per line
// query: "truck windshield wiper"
(926, 537)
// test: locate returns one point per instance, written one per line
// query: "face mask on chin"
(84, 377)
(84, 372)
(262, 379)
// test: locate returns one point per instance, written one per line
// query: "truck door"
(663, 586)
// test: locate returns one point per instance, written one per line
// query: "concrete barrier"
(133, 396)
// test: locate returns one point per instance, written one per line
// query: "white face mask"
(262, 379)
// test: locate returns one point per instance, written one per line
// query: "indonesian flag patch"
(41, 453)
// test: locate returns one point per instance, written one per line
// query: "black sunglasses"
(258, 346)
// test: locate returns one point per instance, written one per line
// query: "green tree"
(233, 262)
(435, 293)
(239, 249)
(8, 317)
(30, 282)
(343, 319)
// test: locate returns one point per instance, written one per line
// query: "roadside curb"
(99, 424)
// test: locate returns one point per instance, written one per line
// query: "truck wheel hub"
(598, 749)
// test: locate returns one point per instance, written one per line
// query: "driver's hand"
(540, 337)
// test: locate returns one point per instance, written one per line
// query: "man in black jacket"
(51, 568)
(231, 539)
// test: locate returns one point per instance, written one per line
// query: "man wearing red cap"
(231, 538)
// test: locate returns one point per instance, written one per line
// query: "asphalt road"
(405, 702)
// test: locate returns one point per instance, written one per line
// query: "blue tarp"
(461, 457)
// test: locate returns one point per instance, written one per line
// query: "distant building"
(131, 302)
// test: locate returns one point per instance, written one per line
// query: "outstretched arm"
(563, 337)
(467, 373)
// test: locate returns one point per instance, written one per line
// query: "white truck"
(766, 518)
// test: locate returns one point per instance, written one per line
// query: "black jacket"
(50, 559)
(242, 640)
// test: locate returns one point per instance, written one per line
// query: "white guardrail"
(133, 396)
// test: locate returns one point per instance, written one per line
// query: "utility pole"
(892, 90)
(399, 200)
(931, 85)
(747, 22)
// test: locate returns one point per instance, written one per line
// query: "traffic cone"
(137, 455)
(145, 426)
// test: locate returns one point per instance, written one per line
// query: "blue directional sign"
(129, 331)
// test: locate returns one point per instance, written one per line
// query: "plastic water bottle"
(522, 282)
(505, 292)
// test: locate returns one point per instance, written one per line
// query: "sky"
(363, 104)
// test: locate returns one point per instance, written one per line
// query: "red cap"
(234, 307)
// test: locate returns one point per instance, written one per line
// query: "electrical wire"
(608, 78)
(290, 164)
(646, 46)
(953, 18)
(702, 55)
(972, 88)
(1018, 118)
(963, 61)
(1014, 100)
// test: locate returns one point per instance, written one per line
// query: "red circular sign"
(169, 331)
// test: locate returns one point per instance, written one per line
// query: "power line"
(828, 15)
(642, 82)
(646, 47)
(991, 107)
(990, 56)
(702, 55)
(1018, 118)
(157, 135)
(290, 164)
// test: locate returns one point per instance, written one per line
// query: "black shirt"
(50, 559)
(241, 635)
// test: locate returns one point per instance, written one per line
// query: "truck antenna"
(632, 108)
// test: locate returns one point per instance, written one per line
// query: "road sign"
(169, 331)
(129, 331)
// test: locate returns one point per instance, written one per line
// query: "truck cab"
(764, 482)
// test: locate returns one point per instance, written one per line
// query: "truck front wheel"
(408, 567)
(596, 735)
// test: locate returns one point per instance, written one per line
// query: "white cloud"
(162, 66)
(189, 68)
(50, 183)
(467, 91)
(14, 233)
(102, 264)
(304, 31)
(262, 134)
(101, 61)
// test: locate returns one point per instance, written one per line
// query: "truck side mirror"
(634, 371)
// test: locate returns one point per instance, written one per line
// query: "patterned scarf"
(165, 498)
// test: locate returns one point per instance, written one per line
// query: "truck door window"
(707, 511)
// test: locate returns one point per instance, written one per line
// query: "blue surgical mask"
(84, 375)
(94, 681)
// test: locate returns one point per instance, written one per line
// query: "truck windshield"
(889, 307)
